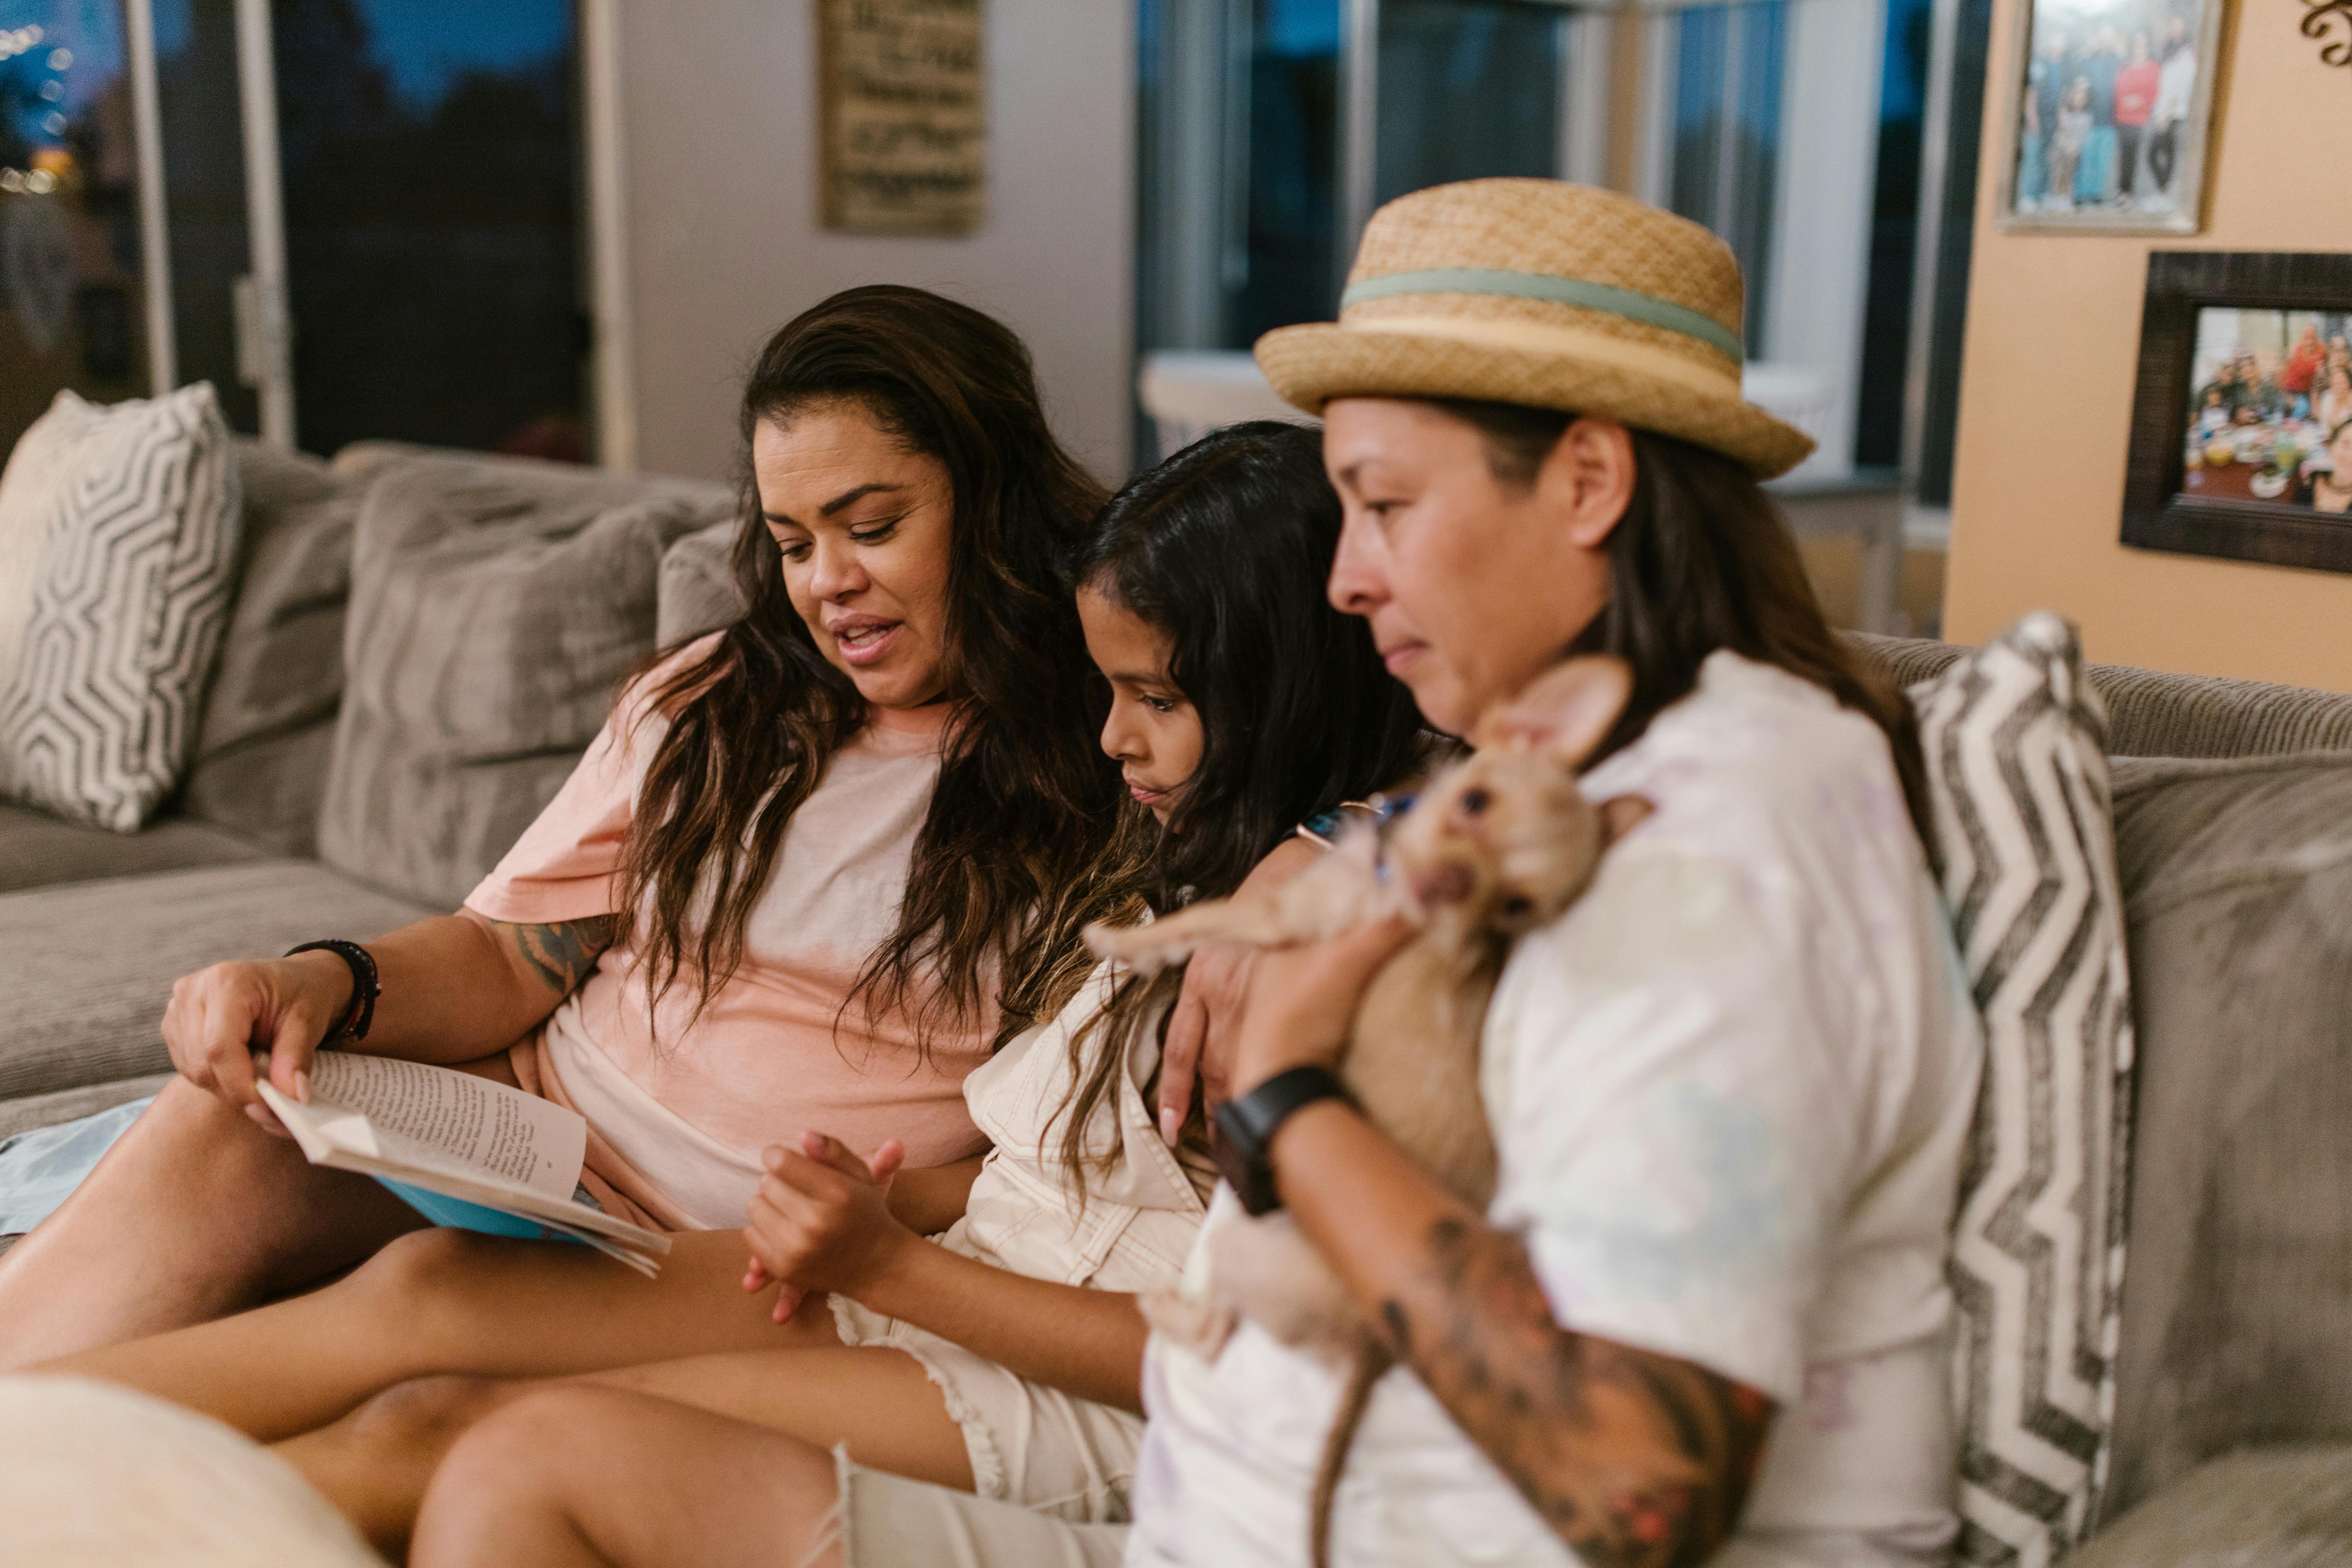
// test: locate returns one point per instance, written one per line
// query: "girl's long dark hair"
(1702, 560)
(1015, 853)
(1224, 549)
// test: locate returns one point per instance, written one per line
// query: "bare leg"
(375, 1463)
(194, 1213)
(452, 1301)
(598, 1477)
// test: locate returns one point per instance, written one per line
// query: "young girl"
(1004, 1360)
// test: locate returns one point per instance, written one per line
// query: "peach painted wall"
(2046, 392)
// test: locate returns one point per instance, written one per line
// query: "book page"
(333, 1135)
(418, 1112)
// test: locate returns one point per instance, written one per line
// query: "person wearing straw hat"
(1704, 1317)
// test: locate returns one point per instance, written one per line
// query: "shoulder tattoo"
(562, 954)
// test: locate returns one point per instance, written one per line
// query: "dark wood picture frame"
(2158, 514)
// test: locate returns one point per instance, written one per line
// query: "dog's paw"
(1201, 1327)
(1132, 945)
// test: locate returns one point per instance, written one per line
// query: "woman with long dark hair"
(1240, 705)
(1729, 1088)
(816, 867)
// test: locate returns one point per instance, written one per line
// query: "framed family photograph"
(2112, 115)
(2242, 422)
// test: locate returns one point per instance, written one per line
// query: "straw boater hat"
(1551, 295)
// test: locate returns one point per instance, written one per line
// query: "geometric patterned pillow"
(2015, 746)
(128, 600)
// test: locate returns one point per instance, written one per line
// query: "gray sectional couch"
(425, 642)
(422, 645)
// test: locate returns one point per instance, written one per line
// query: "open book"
(460, 1150)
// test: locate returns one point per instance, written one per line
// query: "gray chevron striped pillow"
(2015, 743)
(129, 598)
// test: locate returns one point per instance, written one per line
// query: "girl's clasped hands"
(822, 1220)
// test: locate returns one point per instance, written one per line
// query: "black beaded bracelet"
(365, 985)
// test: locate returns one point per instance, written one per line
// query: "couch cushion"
(2237, 1323)
(2151, 713)
(87, 969)
(2017, 777)
(2266, 1508)
(495, 607)
(128, 605)
(38, 850)
(698, 585)
(260, 767)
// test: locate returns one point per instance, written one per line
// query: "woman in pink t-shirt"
(816, 866)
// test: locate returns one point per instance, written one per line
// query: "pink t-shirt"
(677, 1121)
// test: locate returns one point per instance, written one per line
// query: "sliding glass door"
(363, 217)
(72, 305)
(431, 177)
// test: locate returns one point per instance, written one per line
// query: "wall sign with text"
(904, 135)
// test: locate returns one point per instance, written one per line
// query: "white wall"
(718, 130)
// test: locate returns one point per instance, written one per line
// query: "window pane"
(431, 176)
(71, 307)
(1468, 89)
(1293, 168)
(204, 194)
(1728, 64)
(1763, 29)
(1700, 46)
(1895, 232)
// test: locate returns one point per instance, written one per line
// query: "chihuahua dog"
(1497, 844)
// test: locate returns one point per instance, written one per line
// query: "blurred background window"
(1799, 131)
(1468, 89)
(427, 240)
(70, 291)
(1722, 78)
(429, 160)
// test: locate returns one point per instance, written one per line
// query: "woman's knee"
(530, 1441)
(518, 1464)
(204, 1138)
(429, 1413)
(424, 1280)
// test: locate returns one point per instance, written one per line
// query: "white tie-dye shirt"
(1730, 1088)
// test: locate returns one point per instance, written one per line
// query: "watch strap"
(1247, 1127)
(366, 985)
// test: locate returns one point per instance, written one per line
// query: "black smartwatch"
(1246, 1128)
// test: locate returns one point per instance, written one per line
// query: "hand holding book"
(462, 1150)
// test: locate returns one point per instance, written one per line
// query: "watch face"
(1241, 1162)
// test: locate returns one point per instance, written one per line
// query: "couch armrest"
(2278, 1508)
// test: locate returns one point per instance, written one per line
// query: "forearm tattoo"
(561, 954)
(1631, 1458)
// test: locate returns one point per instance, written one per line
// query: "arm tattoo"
(1636, 1461)
(561, 955)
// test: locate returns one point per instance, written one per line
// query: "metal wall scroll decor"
(2330, 21)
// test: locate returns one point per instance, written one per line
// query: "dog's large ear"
(1563, 712)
